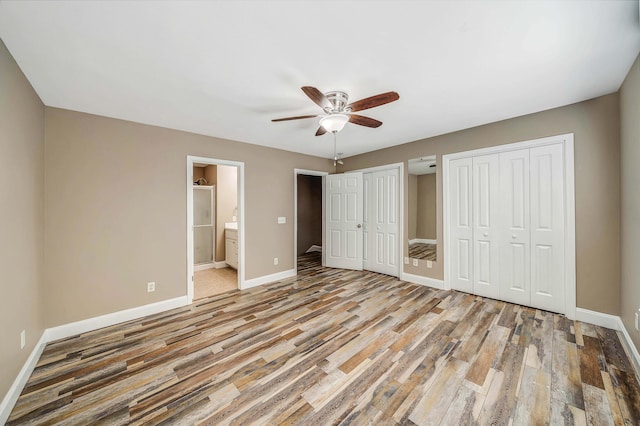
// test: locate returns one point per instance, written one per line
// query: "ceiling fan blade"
(317, 96)
(364, 121)
(373, 101)
(294, 118)
(321, 131)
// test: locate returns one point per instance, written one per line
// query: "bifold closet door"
(461, 228)
(547, 227)
(486, 217)
(381, 226)
(514, 238)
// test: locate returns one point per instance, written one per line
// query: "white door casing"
(381, 221)
(344, 197)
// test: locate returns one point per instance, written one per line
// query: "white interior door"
(547, 227)
(343, 227)
(461, 220)
(486, 178)
(381, 226)
(515, 271)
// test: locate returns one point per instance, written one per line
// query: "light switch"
(429, 264)
(406, 260)
(282, 219)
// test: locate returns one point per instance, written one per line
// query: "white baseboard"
(220, 265)
(597, 318)
(419, 279)
(254, 282)
(90, 324)
(212, 265)
(314, 248)
(14, 391)
(422, 241)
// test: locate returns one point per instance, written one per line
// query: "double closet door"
(507, 225)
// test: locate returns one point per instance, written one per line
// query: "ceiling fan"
(337, 110)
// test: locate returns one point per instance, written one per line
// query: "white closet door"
(486, 208)
(381, 226)
(343, 222)
(460, 224)
(547, 227)
(514, 235)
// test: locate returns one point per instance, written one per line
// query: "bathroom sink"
(231, 225)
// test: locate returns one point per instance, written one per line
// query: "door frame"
(191, 159)
(400, 192)
(569, 205)
(297, 172)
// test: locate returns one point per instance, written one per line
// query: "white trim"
(191, 159)
(400, 191)
(265, 279)
(90, 324)
(422, 241)
(421, 280)
(313, 248)
(631, 349)
(212, 265)
(597, 318)
(9, 400)
(297, 172)
(570, 219)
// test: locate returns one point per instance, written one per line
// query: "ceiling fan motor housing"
(339, 102)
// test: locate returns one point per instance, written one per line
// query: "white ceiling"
(225, 69)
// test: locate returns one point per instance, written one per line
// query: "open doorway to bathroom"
(214, 207)
(309, 219)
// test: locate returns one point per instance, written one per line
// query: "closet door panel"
(486, 208)
(460, 220)
(547, 227)
(514, 233)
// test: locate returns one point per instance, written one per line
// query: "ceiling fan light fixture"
(334, 122)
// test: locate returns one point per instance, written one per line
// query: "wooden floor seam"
(337, 347)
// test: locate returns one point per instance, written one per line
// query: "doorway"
(308, 232)
(215, 227)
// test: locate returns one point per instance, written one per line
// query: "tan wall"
(426, 209)
(630, 214)
(21, 217)
(198, 172)
(309, 212)
(107, 236)
(595, 124)
(210, 174)
(226, 203)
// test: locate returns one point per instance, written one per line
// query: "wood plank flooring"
(337, 347)
(423, 251)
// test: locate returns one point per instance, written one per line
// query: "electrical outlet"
(275, 260)
(23, 338)
(429, 264)
(415, 262)
(406, 260)
(282, 219)
(151, 287)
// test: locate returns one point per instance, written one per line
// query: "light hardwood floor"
(333, 346)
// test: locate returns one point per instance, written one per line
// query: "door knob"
(513, 236)
(486, 234)
(359, 226)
